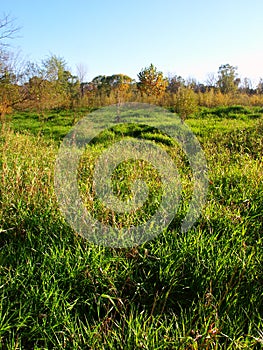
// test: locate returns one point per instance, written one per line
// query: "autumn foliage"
(52, 85)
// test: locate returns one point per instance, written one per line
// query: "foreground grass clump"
(198, 290)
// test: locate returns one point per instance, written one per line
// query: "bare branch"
(8, 29)
(211, 80)
(81, 71)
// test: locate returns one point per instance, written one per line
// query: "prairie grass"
(202, 289)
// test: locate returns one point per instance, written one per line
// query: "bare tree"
(211, 80)
(8, 29)
(81, 74)
(10, 68)
(81, 71)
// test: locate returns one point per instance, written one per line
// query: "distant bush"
(185, 103)
(255, 115)
(233, 112)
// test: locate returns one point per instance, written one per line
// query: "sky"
(190, 38)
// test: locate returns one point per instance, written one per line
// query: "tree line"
(51, 84)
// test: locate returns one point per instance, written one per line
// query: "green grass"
(54, 124)
(199, 290)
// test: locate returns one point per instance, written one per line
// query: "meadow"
(202, 289)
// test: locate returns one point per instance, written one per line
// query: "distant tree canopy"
(227, 79)
(174, 83)
(107, 83)
(115, 87)
(119, 85)
(151, 81)
(51, 84)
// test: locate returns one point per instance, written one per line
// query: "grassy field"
(202, 289)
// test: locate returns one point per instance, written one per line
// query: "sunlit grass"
(198, 290)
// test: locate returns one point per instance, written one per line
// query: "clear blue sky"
(183, 37)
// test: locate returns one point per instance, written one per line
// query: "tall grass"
(198, 290)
